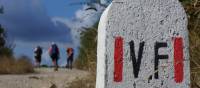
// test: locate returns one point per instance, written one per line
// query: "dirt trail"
(45, 78)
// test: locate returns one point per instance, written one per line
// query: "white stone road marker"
(143, 44)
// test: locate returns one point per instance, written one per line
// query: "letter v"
(136, 63)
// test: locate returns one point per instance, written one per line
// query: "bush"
(6, 52)
(11, 65)
(192, 9)
(87, 52)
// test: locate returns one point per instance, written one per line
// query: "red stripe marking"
(118, 59)
(178, 59)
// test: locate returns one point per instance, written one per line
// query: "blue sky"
(61, 8)
(39, 22)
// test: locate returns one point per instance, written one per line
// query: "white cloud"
(105, 2)
(85, 17)
(27, 20)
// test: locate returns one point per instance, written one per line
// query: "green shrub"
(87, 52)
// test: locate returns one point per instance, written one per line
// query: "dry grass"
(88, 82)
(193, 11)
(88, 50)
(87, 59)
(10, 65)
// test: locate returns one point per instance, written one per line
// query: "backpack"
(54, 49)
(38, 51)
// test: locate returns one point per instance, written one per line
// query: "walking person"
(70, 53)
(38, 55)
(54, 54)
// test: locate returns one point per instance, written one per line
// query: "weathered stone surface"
(155, 31)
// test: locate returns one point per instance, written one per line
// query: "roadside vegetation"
(8, 63)
(192, 8)
(11, 65)
(87, 59)
(88, 50)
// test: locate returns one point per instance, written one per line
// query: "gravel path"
(44, 78)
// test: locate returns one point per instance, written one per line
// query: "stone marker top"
(150, 16)
(143, 44)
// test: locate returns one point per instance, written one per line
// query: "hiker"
(38, 55)
(54, 54)
(70, 54)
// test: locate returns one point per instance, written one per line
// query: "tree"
(2, 33)
(2, 36)
(4, 50)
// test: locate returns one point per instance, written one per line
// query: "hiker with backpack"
(38, 55)
(54, 54)
(70, 54)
